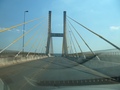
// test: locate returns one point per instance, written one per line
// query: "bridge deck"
(59, 70)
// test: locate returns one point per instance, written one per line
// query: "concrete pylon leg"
(64, 49)
(49, 34)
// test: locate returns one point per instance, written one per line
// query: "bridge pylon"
(50, 35)
(64, 48)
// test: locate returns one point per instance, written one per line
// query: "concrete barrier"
(110, 57)
(107, 59)
(7, 61)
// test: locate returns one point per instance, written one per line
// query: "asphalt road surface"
(27, 76)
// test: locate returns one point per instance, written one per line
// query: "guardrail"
(7, 59)
(104, 56)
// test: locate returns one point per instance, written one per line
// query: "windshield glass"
(59, 44)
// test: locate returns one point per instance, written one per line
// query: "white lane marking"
(30, 81)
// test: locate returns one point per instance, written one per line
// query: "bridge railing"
(25, 44)
(104, 56)
(10, 59)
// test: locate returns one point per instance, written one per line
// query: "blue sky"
(101, 16)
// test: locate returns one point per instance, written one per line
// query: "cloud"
(114, 28)
(1, 28)
(11, 30)
(18, 30)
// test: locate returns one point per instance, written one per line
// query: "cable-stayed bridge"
(28, 59)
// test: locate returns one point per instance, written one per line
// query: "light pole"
(24, 29)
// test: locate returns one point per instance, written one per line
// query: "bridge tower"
(65, 48)
(50, 35)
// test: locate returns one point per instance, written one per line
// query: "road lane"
(13, 75)
(23, 76)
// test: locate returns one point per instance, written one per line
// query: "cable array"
(35, 31)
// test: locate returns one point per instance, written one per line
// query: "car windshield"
(59, 44)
